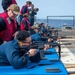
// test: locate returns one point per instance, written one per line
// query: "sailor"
(32, 12)
(25, 24)
(37, 36)
(7, 23)
(24, 9)
(17, 52)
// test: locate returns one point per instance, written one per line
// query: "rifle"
(25, 49)
(48, 35)
(54, 37)
(40, 45)
(53, 44)
(62, 37)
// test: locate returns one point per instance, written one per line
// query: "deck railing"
(72, 18)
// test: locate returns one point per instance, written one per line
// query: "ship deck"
(68, 51)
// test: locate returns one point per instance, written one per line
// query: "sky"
(50, 7)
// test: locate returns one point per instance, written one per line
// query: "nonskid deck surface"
(68, 51)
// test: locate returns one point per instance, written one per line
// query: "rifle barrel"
(65, 37)
(66, 44)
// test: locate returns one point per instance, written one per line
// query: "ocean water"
(57, 23)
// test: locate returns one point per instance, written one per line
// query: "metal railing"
(73, 19)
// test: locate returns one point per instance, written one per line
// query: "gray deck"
(68, 55)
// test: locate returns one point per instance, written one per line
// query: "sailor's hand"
(4, 42)
(15, 34)
(30, 12)
(46, 46)
(49, 39)
(31, 52)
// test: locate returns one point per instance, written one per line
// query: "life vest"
(26, 9)
(14, 2)
(22, 26)
(7, 34)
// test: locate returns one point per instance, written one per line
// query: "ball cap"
(15, 8)
(34, 27)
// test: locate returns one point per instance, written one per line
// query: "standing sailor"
(8, 23)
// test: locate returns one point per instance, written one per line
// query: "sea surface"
(57, 23)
